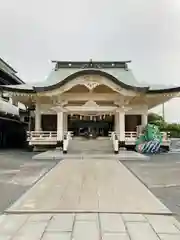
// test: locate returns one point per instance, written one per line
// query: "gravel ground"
(161, 174)
(18, 172)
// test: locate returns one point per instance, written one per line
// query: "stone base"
(165, 148)
(117, 156)
(121, 144)
(59, 144)
(41, 148)
(130, 147)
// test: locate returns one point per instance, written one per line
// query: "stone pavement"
(92, 226)
(92, 200)
(122, 156)
(91, 185)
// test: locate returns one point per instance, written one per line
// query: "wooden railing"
(40, 135)
(130, 135)
(48, 138)
(52, 135)
(134, 135)
(47, 134)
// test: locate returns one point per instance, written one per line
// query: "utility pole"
(163, 112)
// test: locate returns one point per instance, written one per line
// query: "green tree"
(158, 120)
(172, 128)
(153, 117)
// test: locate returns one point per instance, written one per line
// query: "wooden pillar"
(37, 118)
(144, 119)
(116, 119)
(122, 126)
(60, 130)
(65, 122)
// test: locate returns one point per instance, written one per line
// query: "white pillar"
(60, 130)
(37, 118)
(122, 125)
(116, 119)
(144, 119)
(65, 121)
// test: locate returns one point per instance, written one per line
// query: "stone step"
(102, 145)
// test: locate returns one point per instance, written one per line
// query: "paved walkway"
(89, 186)
(122, 155)
(92, 200)
(91, 226)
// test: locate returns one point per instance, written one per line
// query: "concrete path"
(93, 199)
(122, 156)
(89, 186)
(92, 226)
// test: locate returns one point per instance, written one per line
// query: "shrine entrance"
(94, 126)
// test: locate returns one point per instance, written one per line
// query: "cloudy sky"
(32, 33)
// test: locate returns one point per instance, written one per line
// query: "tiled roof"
(125, 76)
(6, 68)
(120, 72)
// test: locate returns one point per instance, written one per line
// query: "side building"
(12, 128)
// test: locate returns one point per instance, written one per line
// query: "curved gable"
(91, 72)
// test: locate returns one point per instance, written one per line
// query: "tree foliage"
(172, 128)
(153, 117)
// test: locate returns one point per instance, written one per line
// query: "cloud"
(147, 32)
